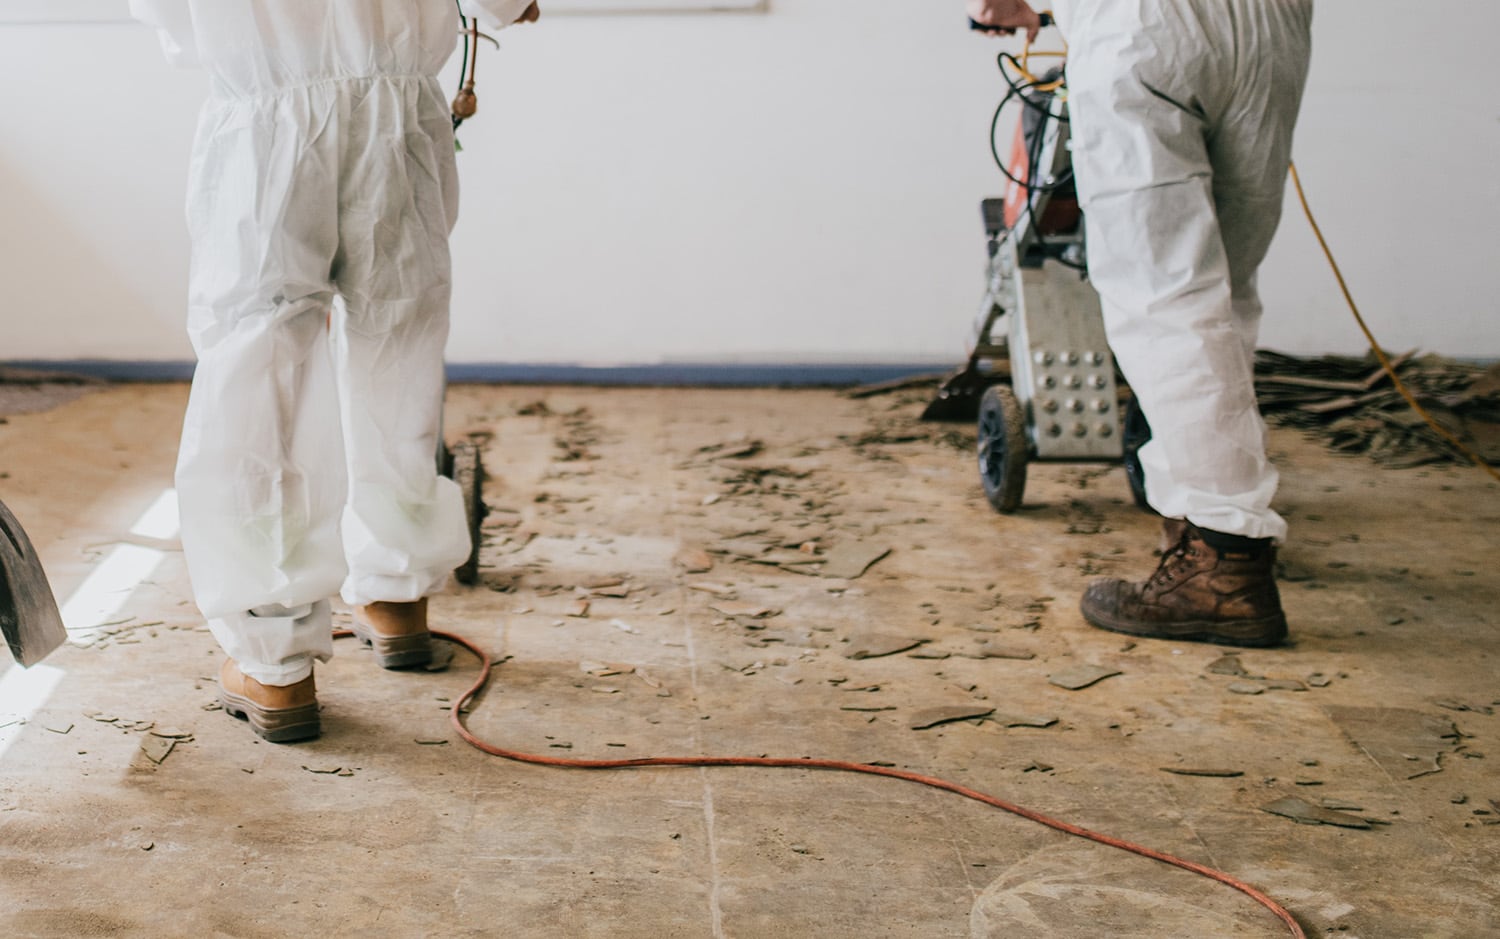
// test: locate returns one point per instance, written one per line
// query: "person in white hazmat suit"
(321, 193)
(1182, 113)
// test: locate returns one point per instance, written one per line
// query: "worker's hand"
(1006, 16)
(532, 14)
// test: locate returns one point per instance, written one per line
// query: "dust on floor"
(787, 573)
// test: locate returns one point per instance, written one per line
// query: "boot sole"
(276, 726)
(396, 651)
(1250, 633)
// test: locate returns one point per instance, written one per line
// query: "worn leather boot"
(278, 713)
(1198, 594)
(397, 632)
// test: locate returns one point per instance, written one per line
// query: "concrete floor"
(390, 826)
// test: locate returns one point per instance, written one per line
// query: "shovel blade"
(28, 612)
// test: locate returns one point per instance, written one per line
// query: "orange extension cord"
(486, 664)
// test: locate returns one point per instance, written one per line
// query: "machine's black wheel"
(466, 469)
(1137, 432)
(1002, 448)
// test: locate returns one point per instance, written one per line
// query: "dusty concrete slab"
(614, 499)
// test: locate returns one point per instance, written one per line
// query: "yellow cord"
(1026, 55)
(1385, 361)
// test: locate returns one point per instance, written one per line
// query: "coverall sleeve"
(173, 20)
(495, 14)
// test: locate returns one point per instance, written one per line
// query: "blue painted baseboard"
(688, 374)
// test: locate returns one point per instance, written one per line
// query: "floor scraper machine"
(1040, 377)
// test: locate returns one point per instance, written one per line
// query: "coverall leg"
(1182, 118)
(303, 472)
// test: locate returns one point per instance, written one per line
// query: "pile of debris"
(32, 391)
(1351, 403)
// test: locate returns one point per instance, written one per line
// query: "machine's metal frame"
(1041, 319)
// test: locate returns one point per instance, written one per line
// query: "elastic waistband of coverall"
(223, 90)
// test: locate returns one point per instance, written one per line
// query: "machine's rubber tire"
(1002, 448)
(466, 469)
(1135, 435)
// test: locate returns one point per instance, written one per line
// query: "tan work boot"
(278, 713)
(1198, 594)
(397, 632)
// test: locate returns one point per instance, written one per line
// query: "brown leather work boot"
(278, 713)
(1198, 594)
(396, 631)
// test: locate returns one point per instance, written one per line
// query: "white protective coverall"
(1182, 116)
(323, 170)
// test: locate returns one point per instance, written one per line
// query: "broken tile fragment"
(604, 669)
(739, 608)
(1024, 720)
(1228, 664)
(876, 645)
(1451, 704)
(987, 651)
(934, 717)
(719, 590)
(157, 748)
(851, 559)
(1081, 676)
(1406, 744)
(1307, 814)
(694, 560)
(1339, 805)
(1194, 771)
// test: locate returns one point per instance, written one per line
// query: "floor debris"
(1191, 771)
(157, 749)
(850, 560)
(1228, 664)
(1024, 720)
(927, 718)
(1406, 744)
(1350, 403)
(1308, 814)
(694, 560)
(1081, 676)
(877, 645)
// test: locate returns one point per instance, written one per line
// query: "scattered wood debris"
(1349, 402)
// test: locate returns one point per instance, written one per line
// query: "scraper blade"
(28, 612)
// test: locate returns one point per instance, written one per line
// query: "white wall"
(798, 186)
